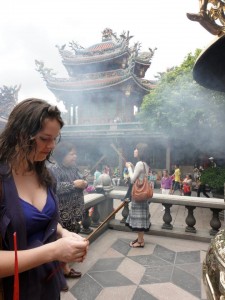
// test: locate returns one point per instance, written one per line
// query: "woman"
(29, 207)
(187, 185)
(139, 215)
(166, 183)
(70, 186)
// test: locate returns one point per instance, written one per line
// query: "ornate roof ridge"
(96, 58)
(86, 85)
(145, 57)
(108, 46)
(49, 73)
(107, 78)
(101, 48)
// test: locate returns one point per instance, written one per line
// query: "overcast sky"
(30, 30)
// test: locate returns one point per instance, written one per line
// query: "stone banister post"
(95, 217)
(190, 220)
(215, 221)
(167, 218)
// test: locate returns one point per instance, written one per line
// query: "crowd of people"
(168, 183)
(42, 200)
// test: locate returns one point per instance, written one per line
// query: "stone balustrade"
(103, 206)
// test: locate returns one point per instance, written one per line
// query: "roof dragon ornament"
(211, 16)
(45, 72)
(8, 99)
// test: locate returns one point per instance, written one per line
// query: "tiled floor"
(165, 269)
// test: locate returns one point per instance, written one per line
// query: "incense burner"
(209, 71)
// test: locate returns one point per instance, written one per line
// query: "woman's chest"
(30, 191)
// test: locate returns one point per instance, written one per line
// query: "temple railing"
(97, 208)
(102, 127)
(103, 206)
(106, 129)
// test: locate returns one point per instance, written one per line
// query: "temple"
(105, 81)
(104, 89)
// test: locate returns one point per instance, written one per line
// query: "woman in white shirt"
(139, 215)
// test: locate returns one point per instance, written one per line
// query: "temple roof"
(95, 57)
(110, 48)
(107, 64)
(95, 81)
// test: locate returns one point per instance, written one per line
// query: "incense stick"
(107, 219)
(16, 271)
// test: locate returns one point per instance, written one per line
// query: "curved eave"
(146, 87)
(92, 60)
(143, 63)
(209, 69)
(93, 84)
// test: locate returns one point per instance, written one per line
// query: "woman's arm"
(137, 171)
(63, 186)
(66, 249)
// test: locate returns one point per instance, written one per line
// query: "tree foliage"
(181, 108)
(215, 178)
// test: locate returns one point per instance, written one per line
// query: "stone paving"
(165, 269)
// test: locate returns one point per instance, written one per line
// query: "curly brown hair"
(24, 122)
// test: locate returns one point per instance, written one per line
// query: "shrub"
(215, 178)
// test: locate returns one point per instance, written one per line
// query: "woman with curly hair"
(28, 205)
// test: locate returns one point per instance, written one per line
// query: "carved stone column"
(95, 217)
(190, 220)
(167, 218)
(215, 221)
(125, 212)
(86, 223)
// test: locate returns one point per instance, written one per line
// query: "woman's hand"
(80, 184)
(69, 249)
(128, 164)
(67, 233)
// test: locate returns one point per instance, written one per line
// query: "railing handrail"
(103, 206)
(93, 199)
(177, 200)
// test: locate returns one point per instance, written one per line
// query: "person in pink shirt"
(166, 183)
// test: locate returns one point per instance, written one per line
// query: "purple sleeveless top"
(37, 221)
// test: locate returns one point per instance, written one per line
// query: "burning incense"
(16, 271)
(107, 219)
